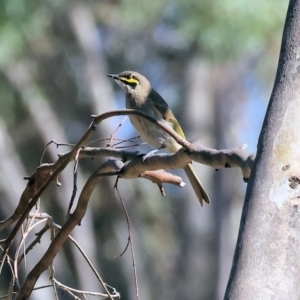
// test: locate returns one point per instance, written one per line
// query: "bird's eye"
(130, 79)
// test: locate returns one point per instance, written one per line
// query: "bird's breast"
(149, 132)
(153, 134)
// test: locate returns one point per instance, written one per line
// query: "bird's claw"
(149, 154)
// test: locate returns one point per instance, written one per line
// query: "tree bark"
(266, 262)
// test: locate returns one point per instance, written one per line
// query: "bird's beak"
(113, 76)
(119, 81)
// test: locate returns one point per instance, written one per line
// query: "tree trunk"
(266, 262)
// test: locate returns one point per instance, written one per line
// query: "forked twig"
(57, 145)
(112, 137)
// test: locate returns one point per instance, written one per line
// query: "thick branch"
(217, 159)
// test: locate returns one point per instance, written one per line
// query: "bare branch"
(35, 189)
(130, 165)
(62, 235)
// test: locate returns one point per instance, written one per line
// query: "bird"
(142, 96)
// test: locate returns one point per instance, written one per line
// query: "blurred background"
(214, 62)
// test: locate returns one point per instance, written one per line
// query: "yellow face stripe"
(129, 80)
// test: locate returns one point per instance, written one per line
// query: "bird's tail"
(196, 184)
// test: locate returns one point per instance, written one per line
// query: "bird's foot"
(149, 154)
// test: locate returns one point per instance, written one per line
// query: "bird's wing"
(161, 107)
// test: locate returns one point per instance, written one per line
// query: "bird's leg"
(152, 152)
(149, 154)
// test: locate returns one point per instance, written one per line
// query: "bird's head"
(132, 82)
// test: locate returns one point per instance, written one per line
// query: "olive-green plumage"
(140, 95)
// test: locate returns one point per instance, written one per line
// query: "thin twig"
(104, 285)
(34, 242)
(37, 288)
(125, 249)
(44, 151)
(74, 182)
(57, 145)
(12, 282)
(131, 140)
(130, 242)
(115, 131)
(28, 228)
(97, 140)
(70, 290)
